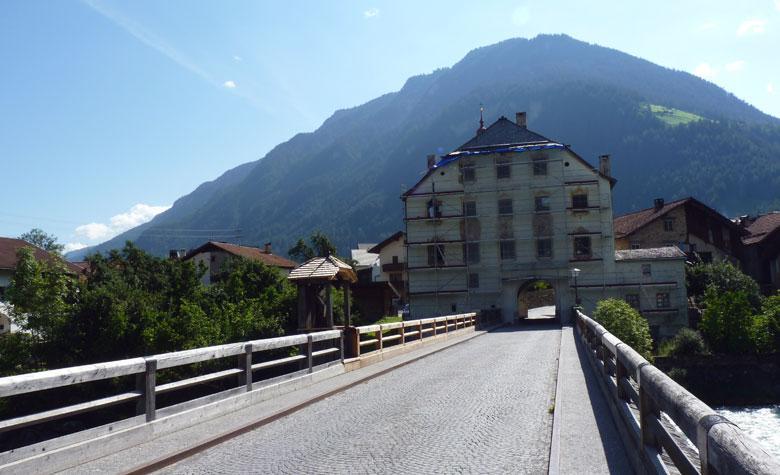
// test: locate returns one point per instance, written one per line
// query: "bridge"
(458, 393)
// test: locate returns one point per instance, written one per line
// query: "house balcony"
(393, 267)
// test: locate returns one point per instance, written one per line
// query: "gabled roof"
(501, 133)
(394, 237)
(762, 228)
(669, 252)
(363, 257)
(246, 252)
(9, 247)
(324, 268)
(632, 222)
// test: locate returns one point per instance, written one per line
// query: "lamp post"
(574, 273)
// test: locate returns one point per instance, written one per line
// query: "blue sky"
(110, 111)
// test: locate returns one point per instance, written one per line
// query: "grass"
(673, 117)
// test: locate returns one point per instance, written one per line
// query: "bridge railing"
(312, 348)
(377, 338)
(668, 414)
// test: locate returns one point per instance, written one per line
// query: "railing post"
(648, 410)
(446, 324)
(620, 374)
(379, 338)
(421, 333)
(403, 333)
(245, 363)
(310, 352)
(435, 324)
(342, 335)
(146, 384)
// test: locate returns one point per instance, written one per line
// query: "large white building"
(510, 208)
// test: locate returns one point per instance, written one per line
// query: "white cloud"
(705, 71)
(229, 84)
(735, 66)
(371, 13)
(770, 88)
(754, 26)
(137, 215)
(237, 58)
(74, 246)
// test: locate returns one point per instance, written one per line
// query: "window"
(668, 224)
(471, 252)
(582, 249)
(636, 245)
(544, 248)
(434, 209)
(395, 259)
(454, 308)
(507, 250)
(505, 206)
(540, 166)
(662, 300)
(647, 270)
(542, 203)
(503, 170)
(579, 201)
(633, 300)
(436, 255)
(470, 208)
(2, 326)
(474, 281)
(468, 173)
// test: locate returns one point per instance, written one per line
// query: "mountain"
(670, 134)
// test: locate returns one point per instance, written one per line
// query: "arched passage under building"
(536, 301)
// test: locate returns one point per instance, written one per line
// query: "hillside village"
(511, 212)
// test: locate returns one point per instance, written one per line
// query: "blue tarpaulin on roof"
(451, 157)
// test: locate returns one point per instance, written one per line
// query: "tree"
(687, 342)
(623, 321)
(47, 242)
(728, 322)
(767, 326)
(321, 246)
(721, 277)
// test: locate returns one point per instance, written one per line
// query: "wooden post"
(434, 326)
(148, 388)
(329, 305)
(352, 342)
(647, 411)
(303, 308)
(403, 333)
(347, 306)
(420, 335)
(309, 352)
(379, 338)
(245, 363)
(341, 344)
(620, 374)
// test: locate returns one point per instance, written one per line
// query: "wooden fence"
(667, 424)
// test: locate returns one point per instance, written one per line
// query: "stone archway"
(536, 300)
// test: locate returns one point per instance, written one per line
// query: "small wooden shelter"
(315, 280)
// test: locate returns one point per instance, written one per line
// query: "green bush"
(766, 326)
(728, 323)
(623, 321)
(721, 277)
(687, 342)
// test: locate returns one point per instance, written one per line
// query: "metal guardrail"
(146, 369)
(668, 414)
(376, 338)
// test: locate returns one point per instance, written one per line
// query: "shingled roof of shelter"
(247, 252)
(669, 252)
(9, 247)
(762, 227)
(324, 268)
(503, 132)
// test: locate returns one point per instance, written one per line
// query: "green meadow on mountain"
(670, 135)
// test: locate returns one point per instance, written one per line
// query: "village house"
(761, 250)
(214, 255)
(688, 224)
(381, 271)
(510, 208)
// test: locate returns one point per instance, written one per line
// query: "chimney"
(267, 248)
(431, 161)
(658, 203)
(604, 166)
(520, 119)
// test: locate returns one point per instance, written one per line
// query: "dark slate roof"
(503, 132)
(669, 252)
(762, 227)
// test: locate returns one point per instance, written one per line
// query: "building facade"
(507, 209)
(213, 255)
(688, 224)
(761, 250)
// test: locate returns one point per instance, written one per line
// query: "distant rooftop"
(503, 132)
(762, 227)
(246, 252)
(323, 268)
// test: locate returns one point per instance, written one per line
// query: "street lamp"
(574, 273)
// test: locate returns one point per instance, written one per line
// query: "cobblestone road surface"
(478, 407)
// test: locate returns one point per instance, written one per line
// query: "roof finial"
(481, 120)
